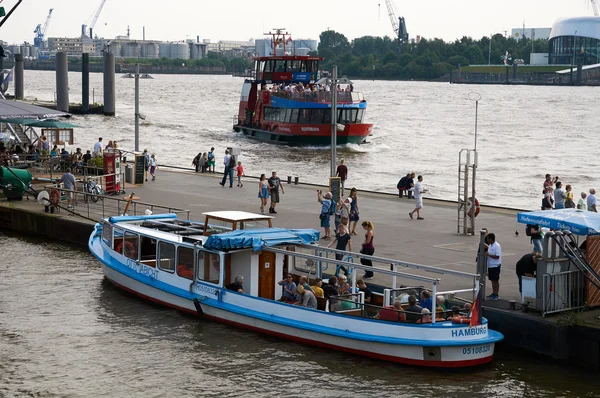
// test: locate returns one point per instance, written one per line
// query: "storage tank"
(34, 52)
(130, 50)
(180, 51)
(149, 50)
(263, 47)
(197, 50)
(302, 51)
(164, 50)
(305, 43)
(26, 51)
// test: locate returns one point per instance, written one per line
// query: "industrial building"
(530, 33)
(574, 41)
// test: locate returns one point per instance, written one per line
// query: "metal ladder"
(566, 242)
(467, 166)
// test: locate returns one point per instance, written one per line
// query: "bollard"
(296, 179)
(512, 304)
(289, 179)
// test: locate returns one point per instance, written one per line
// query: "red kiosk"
(112, 166)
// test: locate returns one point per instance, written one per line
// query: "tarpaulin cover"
(258, 238)
(577, 221)
(15, 109)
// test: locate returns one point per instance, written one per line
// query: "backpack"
(210, 156)
(528, 229)
(232, 161)
(331, 208)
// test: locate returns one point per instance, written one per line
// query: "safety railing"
(563, 291)
(343, 97)
(97, 207)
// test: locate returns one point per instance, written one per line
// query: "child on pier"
(153, 167)
(240, 174)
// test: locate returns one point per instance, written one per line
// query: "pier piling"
(85, 83)
(62, 82)
(19, 71)
(109, 84)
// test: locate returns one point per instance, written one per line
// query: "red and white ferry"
(284, 102)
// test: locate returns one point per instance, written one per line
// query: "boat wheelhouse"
(286, 103)
(188, 265)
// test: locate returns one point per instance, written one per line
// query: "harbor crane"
(595, 7)
(40, 32)
(398, 24)
(84, 30)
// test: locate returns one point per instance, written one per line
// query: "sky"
(173, 20)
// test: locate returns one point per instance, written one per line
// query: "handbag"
(322, 216)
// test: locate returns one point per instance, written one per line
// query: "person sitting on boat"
(362, 287)
(440, 308)
(307, 298)
(317, 288)
(331, 289)
(413, 311)
(236, 286)
(343, 286)
(454, 312)
(425, 316)
(303, 281)
(426, 301)
(289, 289)
(393, 313)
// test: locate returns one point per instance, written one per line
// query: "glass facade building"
(575, 40)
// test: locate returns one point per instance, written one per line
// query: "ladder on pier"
(467, 167)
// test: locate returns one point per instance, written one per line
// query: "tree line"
(382, 58)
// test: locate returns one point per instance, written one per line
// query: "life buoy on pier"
(129, 249)
(54, 197)
(473, 203)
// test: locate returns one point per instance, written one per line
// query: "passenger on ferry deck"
(317, 288)
(362, 287)
(455, 312)
(303, 281)
(236, 286)
(331, 288)
(391, 313)
(425, 316)
(440, 309)
(413, 311)
(307, 298)
(289, 289)
(343, 286)
(426, 301)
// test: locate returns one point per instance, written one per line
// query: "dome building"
(575, 40)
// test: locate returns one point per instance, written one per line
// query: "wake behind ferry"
(286, 103)
(228, 269)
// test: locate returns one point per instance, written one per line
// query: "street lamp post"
(574, 39)
(490, 50)
(333, 118)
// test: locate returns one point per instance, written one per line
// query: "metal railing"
(344, 97)
(563, 291)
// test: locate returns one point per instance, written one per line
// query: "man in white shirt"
(418, 190)
(591, 201)
(228, 170)
(98, 147)
(494, 261)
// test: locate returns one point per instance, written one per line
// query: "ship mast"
(279, 36)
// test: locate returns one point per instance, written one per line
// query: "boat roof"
(289, 57)
(236, 215)
(259, 238)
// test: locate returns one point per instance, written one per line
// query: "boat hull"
(310, 136)
(451, 356)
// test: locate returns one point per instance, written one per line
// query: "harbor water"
(524, 132)
(67, 332)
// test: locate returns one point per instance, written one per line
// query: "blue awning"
(258, 238)
(578, 222)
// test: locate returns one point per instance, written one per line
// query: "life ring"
(460, 320)
(54, 197)
(470, 206)
(129, 249)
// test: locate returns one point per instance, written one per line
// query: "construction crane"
(84, 31)
(398, 24)
(40, 32)
(595, 7)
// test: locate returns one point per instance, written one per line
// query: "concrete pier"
(109, 84)
(62, 82)
(19, 77)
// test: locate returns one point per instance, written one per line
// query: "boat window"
(209, 266)
(327, 116)
(281, 115)
(166, 256)
(107, 234)
(296, 65)
(360, 115)
(313, 66)
(316, 116)
(279, 66)
(185, 262)
(117, 239)
(353, 112)
(131, 246)
(148, 251)
(294, 118)
(288, 115)
(304, 116)
(303, 66)
(268, 67)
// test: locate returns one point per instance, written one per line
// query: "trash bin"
(14, 182)
(129, 174)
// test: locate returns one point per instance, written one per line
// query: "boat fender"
(129, 249)
(473, 203)
(198, 307)
(460, 320)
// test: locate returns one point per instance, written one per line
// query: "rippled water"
(66, 332)
(524, 132)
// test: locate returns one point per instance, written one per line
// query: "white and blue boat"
(187, 265)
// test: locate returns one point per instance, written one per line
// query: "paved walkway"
(432, 241)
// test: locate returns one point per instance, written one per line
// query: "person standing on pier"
(591, 201)
(263, 192)
(211, 160)
(196, 161)
(274, 185)
(367, 247)
(494, 264)
(147, 162)
(240, 174)
(419, 191)
(582, 203)
(559, 196)
(227, 161)
(402, 185)
(327, 204)
(98, 147)
(549, 182)
(153, 167)
(342, 172)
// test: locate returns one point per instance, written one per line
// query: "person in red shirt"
(240, 174)
(342, 172)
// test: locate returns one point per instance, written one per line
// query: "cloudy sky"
(245, 19)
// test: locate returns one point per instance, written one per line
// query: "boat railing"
(343, 97)
(98, 207)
